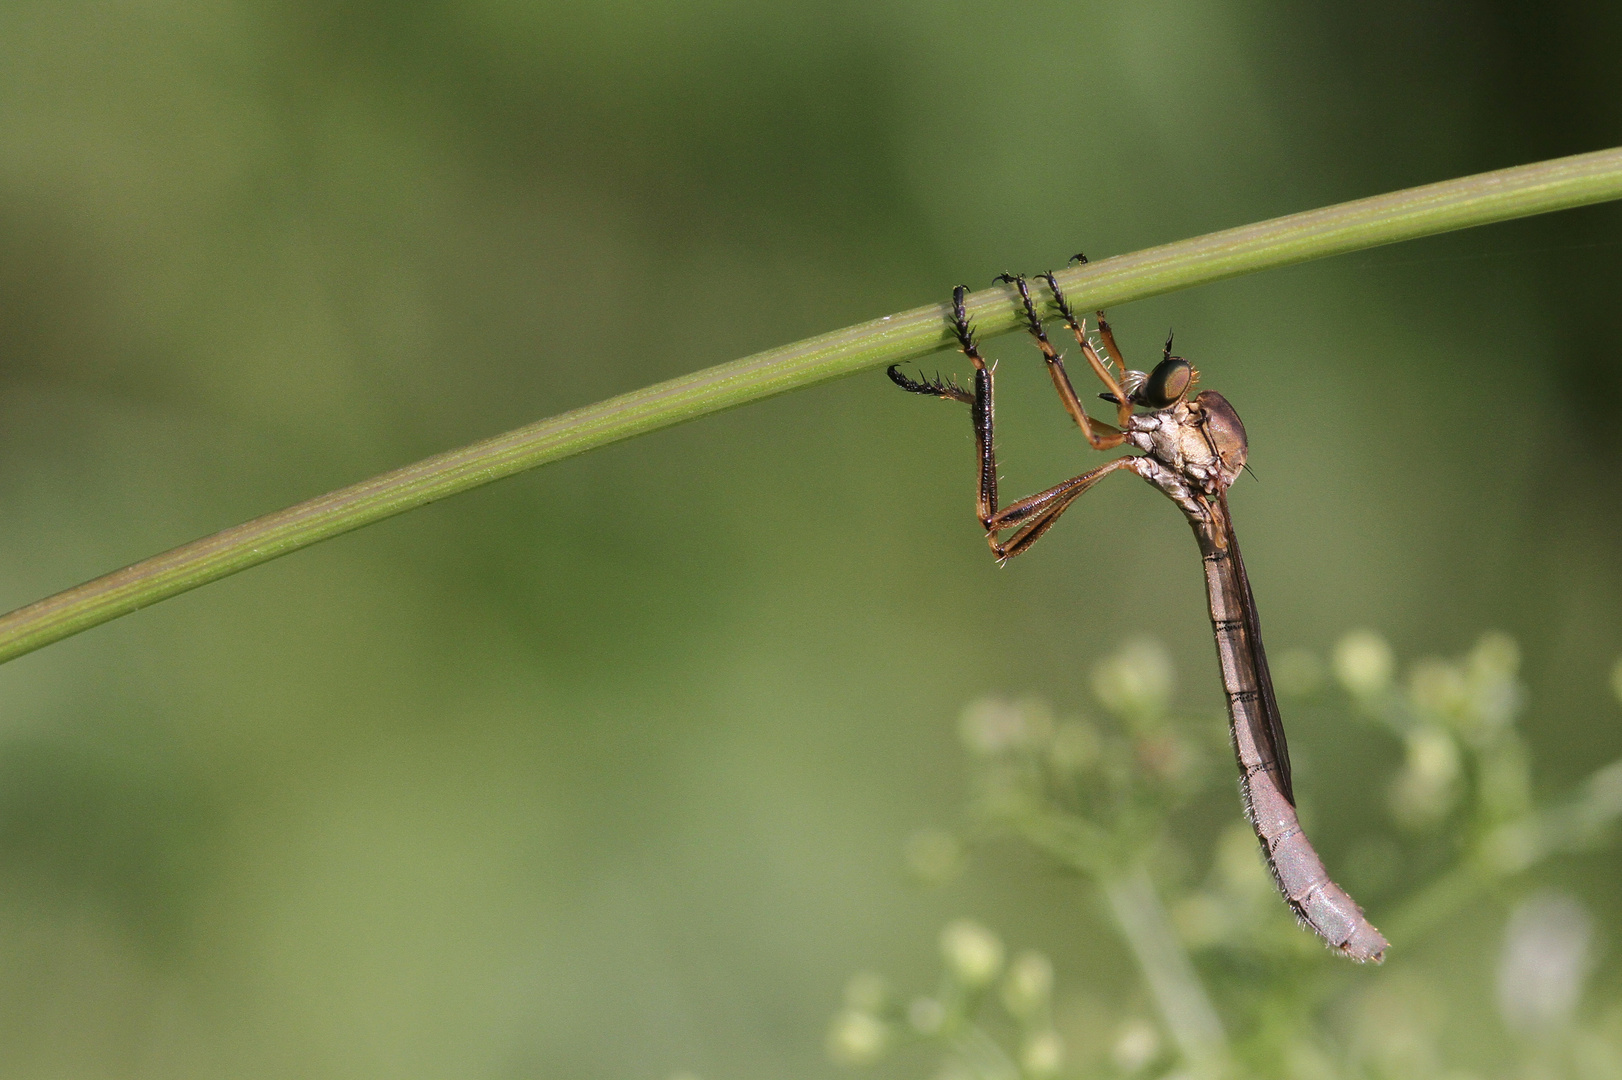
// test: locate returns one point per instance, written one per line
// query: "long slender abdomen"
(1316, 900)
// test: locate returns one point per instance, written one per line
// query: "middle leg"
(1100, 435)
(1123, 402)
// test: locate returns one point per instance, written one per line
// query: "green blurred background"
(605, 771)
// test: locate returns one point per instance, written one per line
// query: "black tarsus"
(1079, 257)
(1032, 321)
(1058, 299)
(936, 387)
(1167, 354)
(979, 408)
(960, 323)
(947, 388)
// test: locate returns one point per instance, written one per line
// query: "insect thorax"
(1175, 437)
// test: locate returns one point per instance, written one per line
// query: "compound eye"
(1166, 384)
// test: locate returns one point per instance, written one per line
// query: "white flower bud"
(1029, 985)
(1546, 958)
(857, 1038)
(1496, 656)
(973, 954)
(1363, 663)
(1433, 755)
(1495, 695)
(926, 1015)
(1136, 1045)
(992, 726)
(1494, 702)
(1428, 785)
(1437, 688)
(1136, 681)
(1043, 1054)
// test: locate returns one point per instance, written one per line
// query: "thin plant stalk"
(981, 1053)
(1422, 211)
(1184, 1006)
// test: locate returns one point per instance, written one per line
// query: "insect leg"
(1100, 435)
(1108, 336)
(1104, 331)
(979, 402)
(1123, 407)
(1033, 516)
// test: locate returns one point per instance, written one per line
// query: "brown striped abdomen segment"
(1317, 901)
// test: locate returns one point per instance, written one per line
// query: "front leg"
(979, 402)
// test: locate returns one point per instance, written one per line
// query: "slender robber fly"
(1193, 448)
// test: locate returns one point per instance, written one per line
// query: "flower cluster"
(974, 970)
(1095, 796)
(1458, 822)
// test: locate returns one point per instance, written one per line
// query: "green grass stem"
(1179, 994)
(1353, 226)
